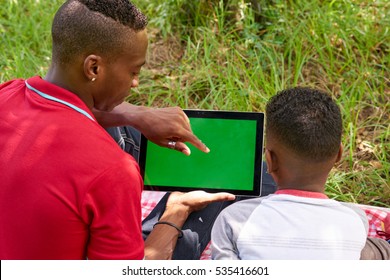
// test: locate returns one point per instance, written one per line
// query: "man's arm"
(158, 125)
(161, 242)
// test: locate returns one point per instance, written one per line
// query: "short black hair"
(82, 27)
(306, 121)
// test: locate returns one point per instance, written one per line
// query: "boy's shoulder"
(243, 208)
(359, 211)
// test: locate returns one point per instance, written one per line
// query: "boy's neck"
(304, 176)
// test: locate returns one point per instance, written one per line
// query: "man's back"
(66, 191)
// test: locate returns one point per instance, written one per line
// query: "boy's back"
(289, 225)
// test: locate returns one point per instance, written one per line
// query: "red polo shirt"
(67, 191)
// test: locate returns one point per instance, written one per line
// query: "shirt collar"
(302, 193)
(69, 98)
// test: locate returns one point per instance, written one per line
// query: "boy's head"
(303, 129)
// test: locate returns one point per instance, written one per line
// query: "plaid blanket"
(375, 215)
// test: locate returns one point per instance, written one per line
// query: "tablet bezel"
(257, 180)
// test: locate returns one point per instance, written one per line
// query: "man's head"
(100, 45)
(304, 128)
(102, 27)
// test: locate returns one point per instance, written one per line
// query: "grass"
(231, 55)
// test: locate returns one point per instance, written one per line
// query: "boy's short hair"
(306, 121)
(82, 27)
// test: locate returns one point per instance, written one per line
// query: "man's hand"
(167, 127)
(161, 242)
(170, 127)
(195, 200)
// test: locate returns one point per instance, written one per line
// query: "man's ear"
(92, 67)
(340, 153)
(272, 164)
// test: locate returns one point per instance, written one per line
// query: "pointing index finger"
(191, 138)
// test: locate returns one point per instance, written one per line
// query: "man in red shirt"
(67, 190)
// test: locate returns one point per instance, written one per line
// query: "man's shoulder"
(11, 83)
(10, 87)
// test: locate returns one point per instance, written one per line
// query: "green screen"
(229, 164)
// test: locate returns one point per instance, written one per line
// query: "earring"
(93, 79)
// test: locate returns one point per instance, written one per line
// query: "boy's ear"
(272, 164)
(340, 153)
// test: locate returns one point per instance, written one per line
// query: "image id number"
(220, 270)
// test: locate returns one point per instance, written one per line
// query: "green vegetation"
(234, 55)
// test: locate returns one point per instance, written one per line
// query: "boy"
(303, 142)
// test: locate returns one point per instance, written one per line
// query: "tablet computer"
(234, 163)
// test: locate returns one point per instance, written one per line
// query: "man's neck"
(65, 80)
